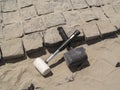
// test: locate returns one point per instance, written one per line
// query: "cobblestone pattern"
(27, 19)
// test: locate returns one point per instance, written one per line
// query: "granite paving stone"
(87, 15)
(9, 5)
(32, 42)
(109, 11)
(11, 17)
(13, 31)
(79, 4)
(117, 8)
(99, 13)
(44, 7)
(70, 29)
(52, 37)
(95, 3)
(72, 18)
(54, 19)
(12, 49)
(24, 3)
(61, 5)
(76, 27)
(1, 17)
(115, 21)
(1, 12)
(28, 12)
(105, 27)
(115, 2)
(106, 2)
(91, 30)
(1, 34)
(33, 25)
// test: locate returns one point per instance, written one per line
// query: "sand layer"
(100, 75)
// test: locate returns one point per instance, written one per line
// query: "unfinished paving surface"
(28, 25)
(22, 17)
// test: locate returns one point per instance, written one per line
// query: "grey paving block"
(115, 21)
(61, 5)
(95, 3)
(1, 17)
(117, 8)
(33, 25)
(0, 56)
(13, 31)
(12, 49)
(79, 4)
(87, 15)
(1, 12)
(11, 17)
(91, 30)
(1, 3)
(72, 17)
(28, 12)
(54, 19)
(44, 7)
(32, 42)
(105, 27)
(24, 3)
(99, 13)
(106, 2)
(71, 29)
(9, 5)
(1, 34)
(109, 11)
(115, 2)
(52, 37)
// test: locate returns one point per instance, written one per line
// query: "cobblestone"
(1, 34)
(105, 27)
(54, 19)
(28, 12)
(12, 49)
(32, 42)
(12, 31)
(115, 21)
(99, 13)
(117, 8)
(72, 17)
(70, 29)
(9, 5)
(51, 39)
(0, 12)
(25, 3)
(1, 19)
(44, 7)
(33, 25)
(87, 15)
(109, 11)
(61, 5)
(11, 17)
(91, 30)
(95, 3)
(79, 4)
(108, 1)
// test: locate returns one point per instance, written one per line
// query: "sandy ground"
(100, 75)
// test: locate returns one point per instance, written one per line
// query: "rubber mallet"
(42, 65)
(74, 57)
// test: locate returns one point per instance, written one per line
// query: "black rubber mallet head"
(74, 57)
